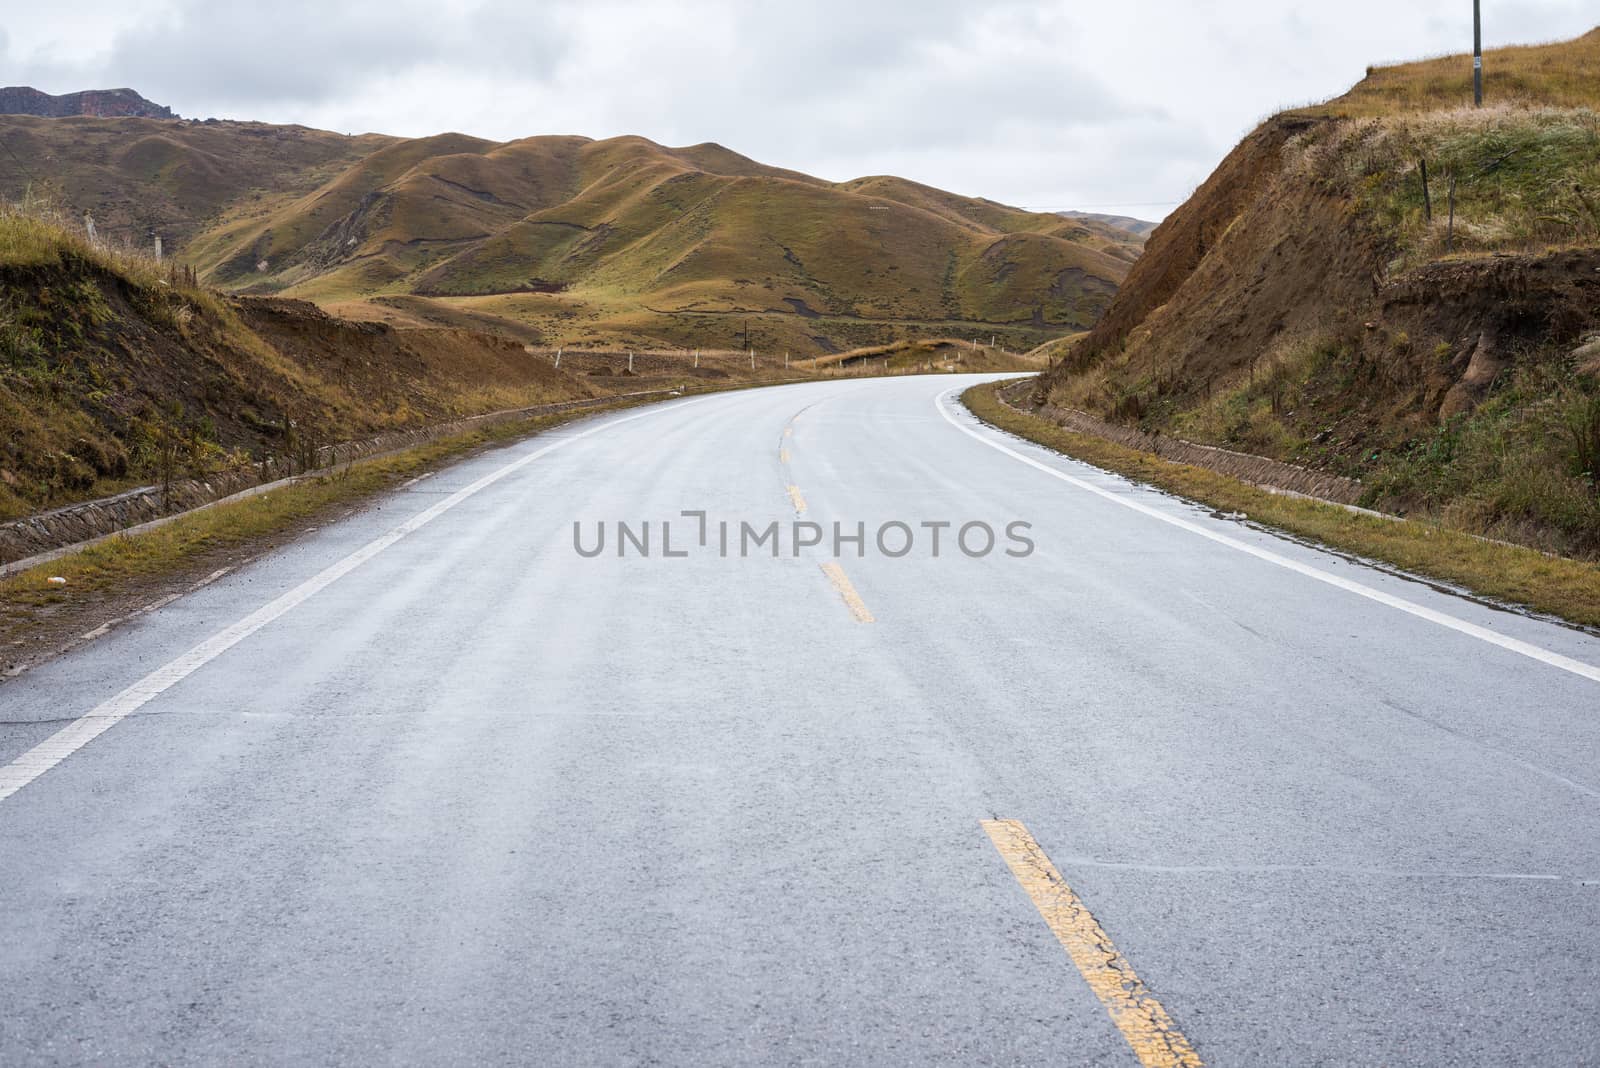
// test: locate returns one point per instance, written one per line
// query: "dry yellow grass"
(1562, 74)
(1566, 588)
(36, 232)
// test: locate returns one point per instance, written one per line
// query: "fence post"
(558, 357)
(1450, 228)
(630, 363)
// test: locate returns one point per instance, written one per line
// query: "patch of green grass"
(1525, 178)
(1562, 587)
(1524, 465)
(1249, 412)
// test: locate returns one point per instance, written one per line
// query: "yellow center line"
(1155, 1039)
(783, 456)
(852, 599)
(798, 501)
(788, 431)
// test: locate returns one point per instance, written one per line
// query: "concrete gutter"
(1260, 471)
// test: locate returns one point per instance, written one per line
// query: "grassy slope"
(114, 373)
(1527, 165)
(1560, 74)
(1303, 306)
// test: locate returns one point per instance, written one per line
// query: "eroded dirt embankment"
(1175, 251)
(1450, 329)
(1255, 255)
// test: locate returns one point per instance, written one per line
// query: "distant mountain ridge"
(99, 103)
(1137, 227)
(567, 241)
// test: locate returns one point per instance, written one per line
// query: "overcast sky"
(1119, 106)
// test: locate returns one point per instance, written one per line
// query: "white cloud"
(1052, 103)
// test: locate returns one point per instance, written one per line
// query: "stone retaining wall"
(1269, 474)
(48, 533)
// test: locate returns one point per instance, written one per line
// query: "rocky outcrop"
(100, 103)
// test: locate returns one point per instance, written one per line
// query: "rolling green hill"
(569, 241)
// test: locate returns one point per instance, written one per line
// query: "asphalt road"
(429, 786)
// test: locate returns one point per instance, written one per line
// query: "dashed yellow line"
(798, 501)
(783, 456)
(788, 431)
(852, 599)
(1155, 1039)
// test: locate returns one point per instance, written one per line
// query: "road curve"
(430, 785)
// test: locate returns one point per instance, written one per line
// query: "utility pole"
(1477, 53)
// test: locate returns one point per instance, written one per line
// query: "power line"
(1118, 204)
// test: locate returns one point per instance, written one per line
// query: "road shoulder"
(1505, 575)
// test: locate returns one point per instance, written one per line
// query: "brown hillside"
(568, 241)
(170, 177)
(582, 242)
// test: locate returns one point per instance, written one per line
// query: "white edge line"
(83, 730)
(1461, 626)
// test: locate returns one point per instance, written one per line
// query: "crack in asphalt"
(1316, 869)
